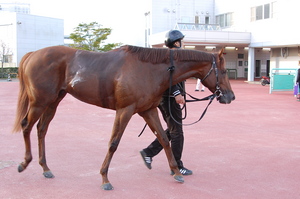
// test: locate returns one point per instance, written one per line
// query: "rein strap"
(194, 99)
(211, 97)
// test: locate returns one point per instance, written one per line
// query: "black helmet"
(172, 36)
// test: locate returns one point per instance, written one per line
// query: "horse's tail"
(23, 100)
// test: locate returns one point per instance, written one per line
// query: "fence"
(283, 79)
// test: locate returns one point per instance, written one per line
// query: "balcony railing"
(196, 26)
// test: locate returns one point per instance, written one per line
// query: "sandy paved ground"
(248, 149)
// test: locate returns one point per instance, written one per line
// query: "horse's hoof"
(48, 174)
(107, 186)
(20, 168)
(179, 179)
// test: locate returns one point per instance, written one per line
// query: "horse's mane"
(162, 55)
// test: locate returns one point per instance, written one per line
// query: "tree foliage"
(91, 37)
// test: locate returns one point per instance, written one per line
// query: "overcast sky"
(126, 18)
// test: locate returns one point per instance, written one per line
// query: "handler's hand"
(179, 99)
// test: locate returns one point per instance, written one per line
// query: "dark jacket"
(176, 89)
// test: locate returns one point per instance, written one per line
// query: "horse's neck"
(183, 71)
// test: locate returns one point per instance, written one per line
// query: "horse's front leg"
(122, 118)
(152, 119)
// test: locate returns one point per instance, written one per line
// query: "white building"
(257, 35)
(15, 7)
(22, 32)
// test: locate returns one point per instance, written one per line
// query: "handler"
(174, 130)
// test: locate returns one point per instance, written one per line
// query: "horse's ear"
(221, 53)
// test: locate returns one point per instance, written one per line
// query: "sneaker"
(183, 171)
(147, 160)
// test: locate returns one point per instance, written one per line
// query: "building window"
(196, 19)
(7, 58)
(225, 20)
(240, 63)
(274, 9)
(266, 11)
(240, 56)
(262, 11)
(258, 13)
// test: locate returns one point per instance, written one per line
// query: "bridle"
(218, 93)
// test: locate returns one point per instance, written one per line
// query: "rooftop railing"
(196, 26)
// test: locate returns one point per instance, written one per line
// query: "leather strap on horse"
(194, 99)
(171, 68)
(143, 130)
(211, 97)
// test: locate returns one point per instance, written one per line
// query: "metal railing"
(196, 26)
(6, 24)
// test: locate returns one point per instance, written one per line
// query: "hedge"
(7, 70)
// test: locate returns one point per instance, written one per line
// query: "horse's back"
(47, 59)
(92, 77)
(113, 79)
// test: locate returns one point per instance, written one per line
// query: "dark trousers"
(174, 131)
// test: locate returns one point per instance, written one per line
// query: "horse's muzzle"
(226, 98)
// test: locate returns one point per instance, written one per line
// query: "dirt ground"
(247, 149)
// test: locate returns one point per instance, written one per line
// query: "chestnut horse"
(128, 79)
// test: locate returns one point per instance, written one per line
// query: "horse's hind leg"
(122, 118)
(42, 128)
(152, 119)
(33, 114)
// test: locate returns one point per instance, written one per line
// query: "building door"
(257, 68)
(206, 20)
(268, 68)
(240, 68)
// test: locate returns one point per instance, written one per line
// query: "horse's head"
(216, 79)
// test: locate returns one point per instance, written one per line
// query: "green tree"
(91, 37)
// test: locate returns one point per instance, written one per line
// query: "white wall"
(29, 33)
(8, 27)
(280, 30)
(292, 59)
(165, 14)
(36, 32)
